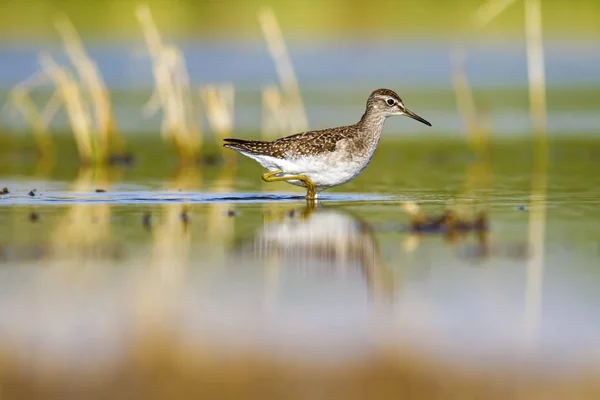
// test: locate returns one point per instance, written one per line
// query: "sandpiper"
(319, 160)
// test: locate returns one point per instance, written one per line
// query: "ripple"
(168, 197)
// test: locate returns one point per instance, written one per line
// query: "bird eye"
(391, 102)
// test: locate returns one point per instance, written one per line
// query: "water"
(216, 259)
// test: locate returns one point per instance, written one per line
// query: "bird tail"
(251, 146)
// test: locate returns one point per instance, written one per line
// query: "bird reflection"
(324, 243)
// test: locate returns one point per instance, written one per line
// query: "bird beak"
(411, 114)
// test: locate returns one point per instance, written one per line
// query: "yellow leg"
(311, 189)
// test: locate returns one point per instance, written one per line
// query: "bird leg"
(311, 189)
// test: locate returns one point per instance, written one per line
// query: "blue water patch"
(173, 197)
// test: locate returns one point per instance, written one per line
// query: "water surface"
(221, 259)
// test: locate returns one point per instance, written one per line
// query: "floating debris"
(232, 213)
(448, 222)
(125, 159)
(100, 191)
(147, 220)
(34, 217)
(32, 192)
(521, 208)
(4, 191)
(211, 159)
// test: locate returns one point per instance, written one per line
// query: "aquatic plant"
(172, 93)
(96, 137)
(92, 84)
(219, 105)
(283, 107)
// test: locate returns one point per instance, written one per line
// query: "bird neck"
(372, 122)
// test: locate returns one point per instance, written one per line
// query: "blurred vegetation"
(110, 19)
(577, 98)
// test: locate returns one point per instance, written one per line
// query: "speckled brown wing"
(301, 144)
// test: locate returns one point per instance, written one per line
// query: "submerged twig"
(449, 222)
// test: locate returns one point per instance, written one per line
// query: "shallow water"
(217, 258)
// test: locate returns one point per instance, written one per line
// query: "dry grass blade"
(20, 99)
(490, 10)
(181, 82)
(92, 83)
(274, 116)
(51, 108)
(219, 106)
(172, 91)
(70, 93)
(287, 78)
(537, 214)
(478, 175)
(77, 110)
(476, 131)
(38, 121)
(535, 65)
(151, 34)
